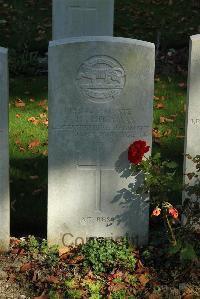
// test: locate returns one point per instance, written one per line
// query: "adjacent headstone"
(72, 18)
(100, 101)
(192, 129)
(4, 157)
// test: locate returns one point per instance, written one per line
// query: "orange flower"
(173, 212)
(156, 212)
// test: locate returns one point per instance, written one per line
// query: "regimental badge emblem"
(101, 79)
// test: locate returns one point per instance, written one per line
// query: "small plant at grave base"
(102, 255)
(158, 179)
(30, 244)
(33, 247)
(94, 289)
(74, 294)
(121, 294)
(53, 295)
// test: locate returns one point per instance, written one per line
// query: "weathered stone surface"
(192, 129)
(72, 18)
(100, 101)
(4, 158)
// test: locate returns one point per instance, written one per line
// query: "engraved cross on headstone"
(96, 166)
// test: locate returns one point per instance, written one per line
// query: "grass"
(169, 123)
(29, 165)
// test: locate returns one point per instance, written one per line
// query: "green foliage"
(94, 289)
(53, 295)
(158, 176)
(70, 283)
(74, 294)
(132, 279)
(121, 294)
(33, 246)
(187, 253)
(103, 255)
(184, 250)
(50, 253)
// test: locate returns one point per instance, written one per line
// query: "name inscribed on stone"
(107, 122)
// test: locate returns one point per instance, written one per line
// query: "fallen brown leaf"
(17, 141)
(45, 153)
(42, 103)
(25, 267)
(76, 260)
(159, 106)
(19, 103)
(53, 279)
(43, 115)
(18, 115)
(189, 296)
(12, 277)
(34, 143)
(156, 98)
(164, 119)
(34, 177)
(143, 279)
(22, 149)
(63, 250)
(33, 120)
(45, 122)
(167, 133)
(156, 133)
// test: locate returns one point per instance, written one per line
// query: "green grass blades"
(28, 154)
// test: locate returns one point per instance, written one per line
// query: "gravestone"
(4, 158)
(100, 101)
(72, 18)
(192, 129)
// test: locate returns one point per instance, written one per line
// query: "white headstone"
(100, 101)
(4, 156)
(72, 18)
(192, 129)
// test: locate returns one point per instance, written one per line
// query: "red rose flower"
(156, 212)
(173, 212)
(137, 150)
